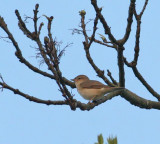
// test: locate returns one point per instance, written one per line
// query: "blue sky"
(26, 122)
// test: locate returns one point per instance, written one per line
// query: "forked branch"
(51, 56)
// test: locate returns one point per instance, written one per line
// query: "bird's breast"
(90, 94)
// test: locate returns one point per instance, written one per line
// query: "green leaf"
(112, 140)
(100, 139)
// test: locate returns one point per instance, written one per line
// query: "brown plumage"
(91, 89)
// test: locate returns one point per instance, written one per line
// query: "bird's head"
(80, 79)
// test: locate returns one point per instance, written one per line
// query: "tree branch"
(139, 101)
(129, 24)
(126, 94)
(142, 80)
(112, 79)
(55, 61)
(19, 55)
(134, 62)
(102, 43)
(103, 21)
(121, 66)
(87, 45)
(113, 40)
(83, 25)
(31, 98)
(51, 58)
(75, 104)
(23, 27)
(35, 19)
(94, 31)
(90, 106)
(144, 7)
(138, 30)
(99, 72)
(136, 49)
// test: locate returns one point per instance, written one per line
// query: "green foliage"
(110, 140)
(100, 139)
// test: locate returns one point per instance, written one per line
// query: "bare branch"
(121, 66)
(23, 27)
(90, 106)
(77, 31)
(83, 25)
(138, 30)
(94, 31)
(103, 21)
(126, 62)
(134, 62)
(31, 98)
(73, 104)
(54, 67)
(19, 55)
(143, 81)
(139, 101)
(141, 78)
(40, 27)
(18, 52)
(128, 95)
(129, 22)
(51, 55)
(99, 72)
(113, 40)
(35, 19)
(112, 79)
(136, 49)
(102, 43)
(144, 7)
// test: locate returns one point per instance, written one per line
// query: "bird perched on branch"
(92, 90)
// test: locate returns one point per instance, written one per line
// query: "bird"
(92, 90)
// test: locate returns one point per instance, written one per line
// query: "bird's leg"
(92, 99)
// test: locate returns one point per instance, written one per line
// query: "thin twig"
(102, 43)
(113, 40)
(103, 21)
(75, 104)
(40, 27)
(112, 79)
(99, 72)
(129, 22)
(31, 98)
(144, 7)
(138, 30)
(22, 26)
(94, 31)
(83, 26)
(143, 81)
(35, 19)
(55, 65)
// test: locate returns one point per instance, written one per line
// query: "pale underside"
(92, 90)
(91, 94)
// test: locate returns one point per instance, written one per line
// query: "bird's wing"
(92, 84)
